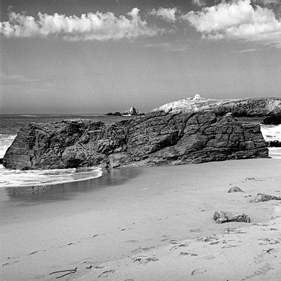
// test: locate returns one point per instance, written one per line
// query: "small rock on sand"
(235, 189)
(221, 217)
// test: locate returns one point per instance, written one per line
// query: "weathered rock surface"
(264, 197)
(153, 139)
(267, 108)
(222, 217)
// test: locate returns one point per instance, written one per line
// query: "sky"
(98, 56)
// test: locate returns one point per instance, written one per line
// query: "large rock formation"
(269, 109)
(132, 111)
(153, 139)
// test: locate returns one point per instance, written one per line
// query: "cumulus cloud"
(91, 26)
(199, 3)
(168, 14)
(237, 20)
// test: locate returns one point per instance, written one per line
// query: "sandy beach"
(147, 224)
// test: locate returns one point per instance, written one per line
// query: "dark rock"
(268, 109)
(273, 119)
(1, 160)
(114, 114)
(274, 143)
(235, 189)
(221, 217)
(153, 139)
(264, 197)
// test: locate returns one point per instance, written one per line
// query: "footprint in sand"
(178, 246)
(267, 241)
(144, 260)
(165, 239)
(188, 254)
(195, 230)
(173, 242)
(140, 249)
(106, 273)
(131, 241)
(198, 271)
(261, 271)
(209, 257)
(32, 253)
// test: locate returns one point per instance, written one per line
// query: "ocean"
(11, 124)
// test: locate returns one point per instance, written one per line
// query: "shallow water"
(25, 203)
(64, 191)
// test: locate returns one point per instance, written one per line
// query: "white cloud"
(199, 3)
(168, 14)
(237, 20)
(91, 26)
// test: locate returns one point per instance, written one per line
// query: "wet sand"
(147, 224)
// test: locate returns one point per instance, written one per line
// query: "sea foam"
(14, 178)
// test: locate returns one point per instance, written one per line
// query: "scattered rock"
(235, 189)
(221, 217)
(264, 197)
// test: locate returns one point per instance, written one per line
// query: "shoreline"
(137, 228)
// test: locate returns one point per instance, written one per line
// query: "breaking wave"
(15, 178)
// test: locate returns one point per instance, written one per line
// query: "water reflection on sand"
(65, 191)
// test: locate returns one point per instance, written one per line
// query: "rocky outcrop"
(131, 112)
(153, 139)
(114, 114)
(269, 109)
